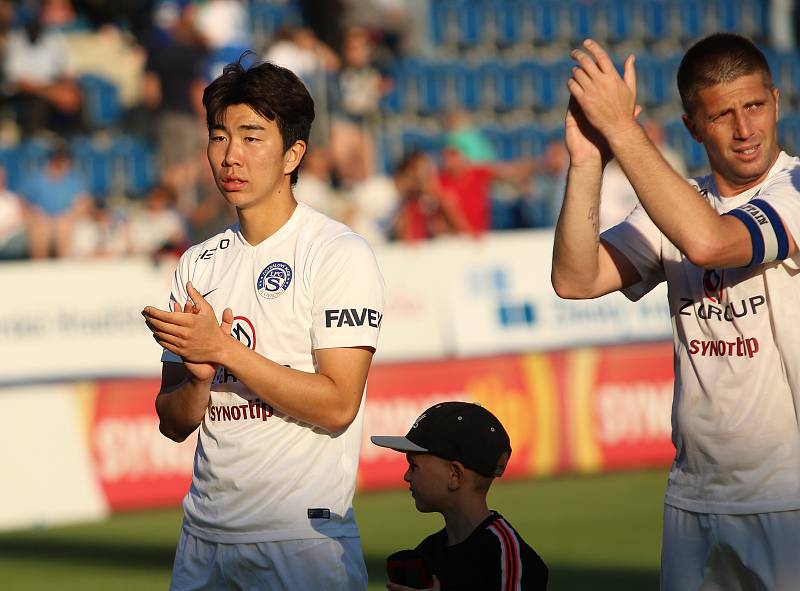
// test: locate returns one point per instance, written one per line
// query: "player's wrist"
(624, 133)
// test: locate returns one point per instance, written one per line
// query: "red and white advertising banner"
(585, 410)
(98, 444)
(136, 466)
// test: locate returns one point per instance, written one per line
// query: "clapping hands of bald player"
(606, 99)
(193, 333)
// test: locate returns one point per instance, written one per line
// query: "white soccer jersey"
(260, 475)
(737, 352)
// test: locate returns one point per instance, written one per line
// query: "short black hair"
(716, 59)
(273, 92)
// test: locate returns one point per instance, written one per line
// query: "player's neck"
(462, 520)
(262, 221)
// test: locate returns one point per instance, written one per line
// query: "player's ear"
(293, 156)
(456, 475)
(687, 121)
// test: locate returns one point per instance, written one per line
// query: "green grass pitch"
(594, 532)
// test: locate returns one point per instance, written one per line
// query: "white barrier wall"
(456, 297)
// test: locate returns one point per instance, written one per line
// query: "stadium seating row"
(530, 140)
(118, 165)
(472, 23)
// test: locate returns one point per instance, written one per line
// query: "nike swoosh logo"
(208, 292)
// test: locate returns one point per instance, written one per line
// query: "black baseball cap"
(456, 431)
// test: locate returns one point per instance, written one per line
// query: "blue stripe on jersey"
(756, 238)
(777, 227)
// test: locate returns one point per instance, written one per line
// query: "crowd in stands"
(155, 57)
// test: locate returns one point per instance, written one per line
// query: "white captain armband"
(767, 233)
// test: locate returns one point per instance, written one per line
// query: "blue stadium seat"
(496, 85)
(467, 87)
(444, 22)
(10, 162)
(101, 104)
(422, 139)
(747, 17)
(506, 22)
(692, 17)
(789, 133)
(223, 56)
(619, 15)
(679, 138)
(541, 21)
(656, 80)
(394, 100)
(471, 23)
(135, 160)
(786, 74)
(584, 19)
(266, 18)
(656, 20)
(503, 140)
(96, 163)
(531, 140)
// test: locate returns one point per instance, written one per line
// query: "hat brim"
(396, 443)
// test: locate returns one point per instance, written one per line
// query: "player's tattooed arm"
(593, 215)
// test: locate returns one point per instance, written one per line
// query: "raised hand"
(584, 143)
(607, 100)
(192, 333)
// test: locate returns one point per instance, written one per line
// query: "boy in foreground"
(454, 452)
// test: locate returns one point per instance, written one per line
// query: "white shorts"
(317, 564)
(709, 552)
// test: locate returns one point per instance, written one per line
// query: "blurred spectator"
(211, 215)
(390, 18)
(40, 80)
(60, 15)
(57, 196)
(97, 232)
(157, 226)
(468, 139)
(324, 17)
(135, 16)
(617, 197)
(13, 237)
(110, 54)
(299, 50)
(173, 89)
(361, 86)
(469, 185)
(540, 206)
(371, 207)
(425, 209)
(314, 187)
(410, 205)
(222, 24)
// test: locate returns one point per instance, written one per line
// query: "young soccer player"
(726, 246)
(455, 450)
(268, 340)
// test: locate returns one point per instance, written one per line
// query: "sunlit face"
(247, 157)
(737, 123)
(427, 476)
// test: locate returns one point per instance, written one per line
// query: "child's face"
(427, 476)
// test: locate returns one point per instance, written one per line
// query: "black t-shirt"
(493, 557)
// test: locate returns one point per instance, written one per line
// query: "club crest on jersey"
(713, 284)
(274, 280)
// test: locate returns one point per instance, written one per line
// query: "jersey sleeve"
(347, 291)
(178, 294)
(639, 240)
(771, 216)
